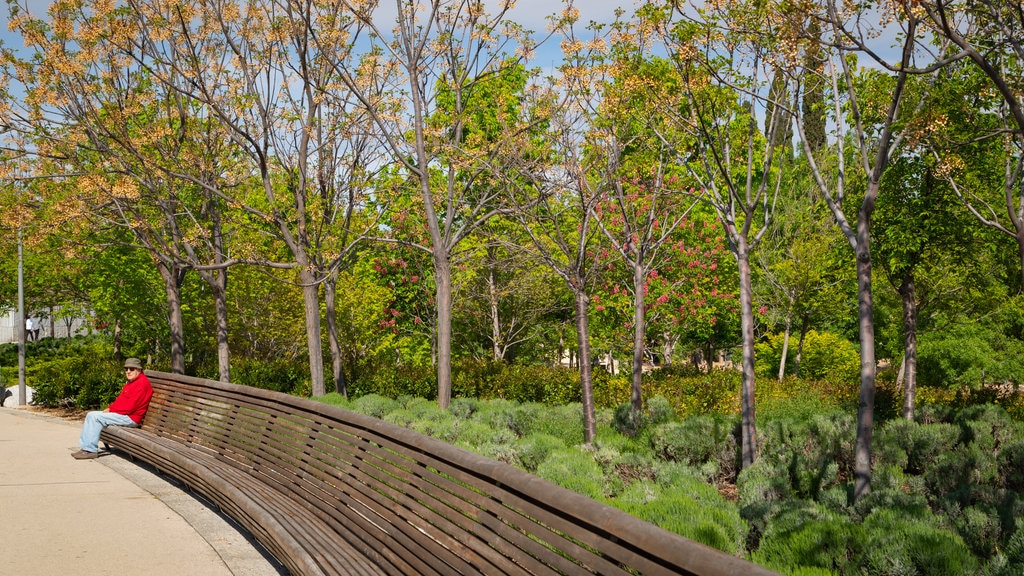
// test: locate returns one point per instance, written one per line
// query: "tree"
(442, 91)
(149, 157)
(505, 296)
(731, 71)
(640, 209)
(555, 190)
(289, 137)
(991, 36)
(875, 136)
(801, 280)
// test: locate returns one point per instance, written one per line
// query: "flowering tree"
(441, 88)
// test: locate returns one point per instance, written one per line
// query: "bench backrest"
(414, 504)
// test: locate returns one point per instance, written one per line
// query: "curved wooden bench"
(329, 491)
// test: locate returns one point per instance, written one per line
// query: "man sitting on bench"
(127, 410)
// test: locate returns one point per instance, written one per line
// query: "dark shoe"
(83, 455)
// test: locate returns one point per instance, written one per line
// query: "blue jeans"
(95, 422)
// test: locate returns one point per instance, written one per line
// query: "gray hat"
(133, 363)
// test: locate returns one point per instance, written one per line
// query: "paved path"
(108, 516)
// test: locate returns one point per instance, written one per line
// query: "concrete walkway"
(106, 516)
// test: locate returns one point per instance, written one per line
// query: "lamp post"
(22, 392)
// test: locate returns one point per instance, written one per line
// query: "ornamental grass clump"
(574, 470)
(535, 448)
(690, 508)
(808, 538)
(499, 414)
(898, 544)
(564, 422)
(473, 434)
(443, 427)
(693, 441)
(375, 405)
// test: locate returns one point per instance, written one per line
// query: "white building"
(48, 327)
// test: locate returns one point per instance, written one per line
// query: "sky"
(530, 13)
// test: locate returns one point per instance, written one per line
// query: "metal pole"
(22, 392)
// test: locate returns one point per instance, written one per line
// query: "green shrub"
(273, 374)
(969, 356)
(535, 448)
(909, 503)
(495, 379)
(928, 442)
(375, 405)
(629, 421)
(714, 523)
(899, 544)
(810, 537)
(807, 456)
(694, 440)
(574, 470)
(660, 410)
(980, 528)
(498, 414)
(825, 356)
(473, 435)
(423, 409)
(763, 481)
(564, 421)
(335, 399)
(1011, 464)
(395, 381)
(987, 423)
(445, 428)
(790, 399)
(893, 442)
(81, 381)
(400, 417)
(611, 390)
(463, 408)
(1015, 548)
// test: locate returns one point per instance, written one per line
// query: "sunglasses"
(130, 369)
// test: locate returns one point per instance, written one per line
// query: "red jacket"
(133, 401)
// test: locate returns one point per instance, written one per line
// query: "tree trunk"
(173, 276)
(311, 301)
(866, 410)
(443, 278)
(492, 294)
(219, 286)
(220, 304)
(639, 333)
(668, 348)
(785, 345)
(337, 370)
(582, 305)
(1020, 251)
(748, 422)
(117, 340)
(805, 324)
(909, 297)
